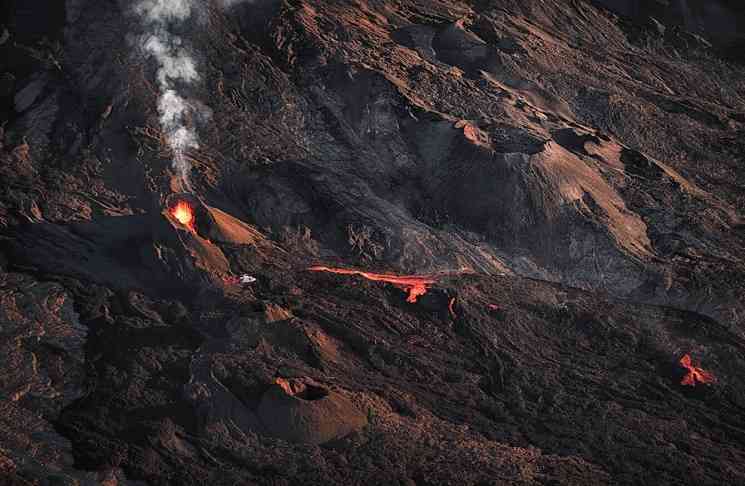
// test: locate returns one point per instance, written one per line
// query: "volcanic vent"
(184, 213)
(185, 209)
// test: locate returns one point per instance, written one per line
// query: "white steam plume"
(176, 70)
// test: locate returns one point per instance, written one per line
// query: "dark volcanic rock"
(305, 412)
(567, 180)
(687, 24)
(721, 20)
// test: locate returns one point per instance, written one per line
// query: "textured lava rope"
(176, 69)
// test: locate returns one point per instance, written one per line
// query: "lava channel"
(694, 374)
(414, 285)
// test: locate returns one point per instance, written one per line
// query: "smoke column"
(176, 70)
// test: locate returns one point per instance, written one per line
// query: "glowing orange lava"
(183, 213)
(415, 285)
(695, 374)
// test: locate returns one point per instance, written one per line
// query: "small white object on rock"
(247, 279)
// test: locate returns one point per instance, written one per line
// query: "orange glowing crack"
(184, 214)
(415, 285)
(451, 308)
(695, 374)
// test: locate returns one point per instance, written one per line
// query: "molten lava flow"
(451, 307)
(184, 214)
(415, 285)
(286, 385)
(695, 374)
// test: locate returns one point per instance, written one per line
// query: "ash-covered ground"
(489, 242)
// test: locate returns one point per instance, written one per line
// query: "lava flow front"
(184, 214)
(415, 285)
(695, 374)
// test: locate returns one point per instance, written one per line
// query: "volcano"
(372, 242)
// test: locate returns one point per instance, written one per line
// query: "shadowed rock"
(302, 411)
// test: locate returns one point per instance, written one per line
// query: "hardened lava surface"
(488, 242)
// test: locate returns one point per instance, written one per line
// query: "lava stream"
(695, 374)
(415, 285)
